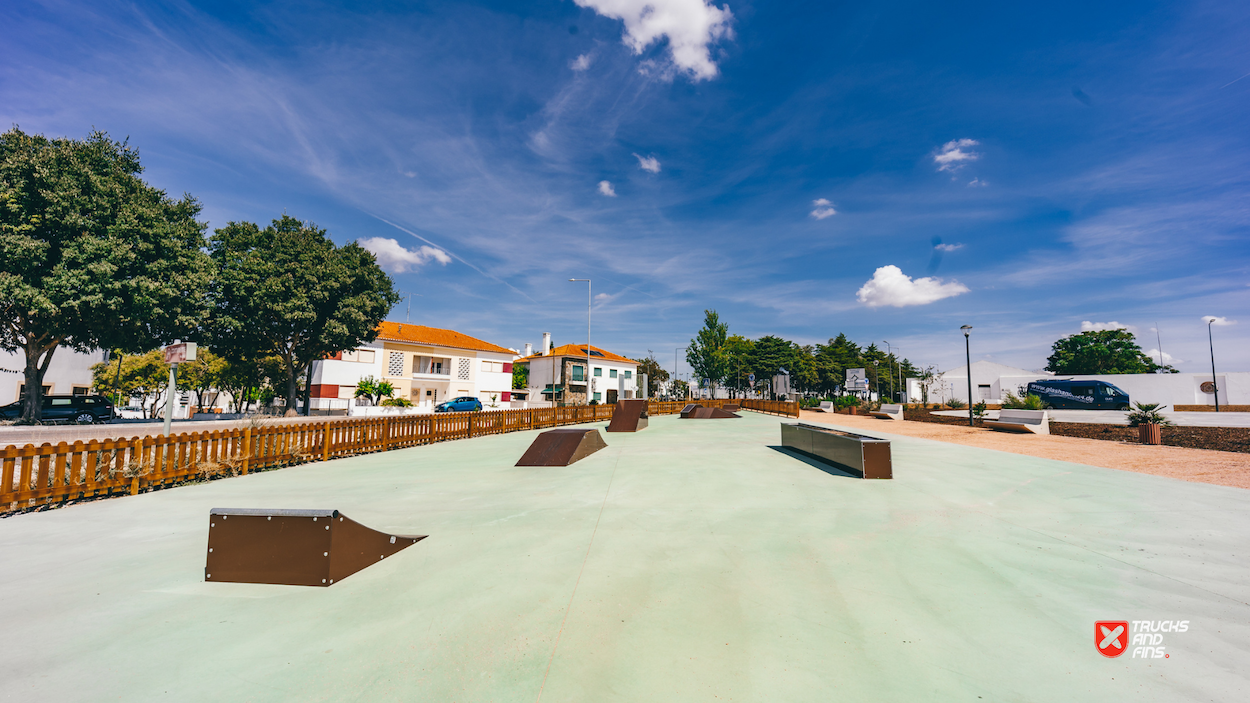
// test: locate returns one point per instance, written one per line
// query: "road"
(25, 434)
(1117, 417)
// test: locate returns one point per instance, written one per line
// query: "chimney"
(546, 343)
(529, 349)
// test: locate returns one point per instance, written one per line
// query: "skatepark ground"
(692, 561)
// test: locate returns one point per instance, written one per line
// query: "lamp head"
(967, 329)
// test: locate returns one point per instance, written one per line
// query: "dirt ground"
(1198, 465)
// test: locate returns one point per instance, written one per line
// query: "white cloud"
(648, 163)
(1087, 326)
(976, 183)
(581, 63)
(952, 156)
(1218, 321)
(824, 209)
(1168, 359)
(689, 25)
(606, 188)
(890, 286)
(395, 258)
(948, 247)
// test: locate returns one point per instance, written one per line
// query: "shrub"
(1028, 402)
(978, 410)
(1147, 413)
(397, 403)
(848, 401)
(955, 403)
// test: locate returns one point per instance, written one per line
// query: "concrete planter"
(1150, 433)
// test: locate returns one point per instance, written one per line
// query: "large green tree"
(143, 375)
(1101, 352)
(706, 353)
(288, 290)
(738, 350)
(91, 257)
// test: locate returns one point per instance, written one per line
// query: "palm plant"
(1147, 414)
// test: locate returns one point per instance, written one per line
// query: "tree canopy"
(656, 374)
(1101, 352)
(91, 257)
(706, 353)
(288, 290)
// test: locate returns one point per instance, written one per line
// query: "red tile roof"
(434, 337)
(576, 350)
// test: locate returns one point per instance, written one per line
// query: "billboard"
(856, 380)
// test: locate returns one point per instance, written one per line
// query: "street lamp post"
(675, 351)
(968, 355)
(898, 395)
(588, 302)
(876, 372)
(1211, 343)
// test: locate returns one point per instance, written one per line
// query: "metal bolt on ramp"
(293, 547)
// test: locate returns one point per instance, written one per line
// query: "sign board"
(180, 353)
(750, 378)
(856, 380)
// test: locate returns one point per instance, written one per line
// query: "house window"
(463, 370)
(629, 374)
(612, 373)
(366, 356)
(395, 366)
(579, 373)
(486, 367)
(598, 395)
(598, 371)
(352, 355)
(82, 390)
(983, 392)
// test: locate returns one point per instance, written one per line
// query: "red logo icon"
(1111, 637)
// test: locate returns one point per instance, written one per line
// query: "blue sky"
(888, 170)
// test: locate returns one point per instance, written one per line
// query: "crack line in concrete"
(573, 595)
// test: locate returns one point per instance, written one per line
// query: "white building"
(426, 365)
(563, 370)
(69, 373)
(991, 382)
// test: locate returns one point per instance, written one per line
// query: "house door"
(612, 396)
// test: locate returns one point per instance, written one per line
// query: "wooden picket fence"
(35, 476)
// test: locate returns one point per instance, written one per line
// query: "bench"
(889, 412)
(1035, 421)
(827, 406)
(867, 457)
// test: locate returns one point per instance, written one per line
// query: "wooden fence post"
(136, 462)
(247, 449)
(325, 442)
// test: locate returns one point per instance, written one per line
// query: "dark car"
(80, 409)
(459, 405)
(1080, 395)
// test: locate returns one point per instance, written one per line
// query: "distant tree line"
(728, 360)
(91, 257)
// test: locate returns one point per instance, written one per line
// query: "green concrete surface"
(691, 561)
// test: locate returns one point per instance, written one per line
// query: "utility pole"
(1214, 385)
(589, 300)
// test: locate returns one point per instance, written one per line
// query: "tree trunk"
(32, 402)
(290, 383)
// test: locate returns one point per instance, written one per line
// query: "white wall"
(1165, 389)
(68, 369)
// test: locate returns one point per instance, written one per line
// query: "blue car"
(459, 405)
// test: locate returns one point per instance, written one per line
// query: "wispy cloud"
(977, 183)
(1218, 321)
(1087, 326)
(955, 154)
(689, 25)
(605, 188)
(648, 163)
(393, 257)
(824, 209)
(890, 286)
(948, 247)
(581, 63)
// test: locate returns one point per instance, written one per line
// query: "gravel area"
(1224, 468)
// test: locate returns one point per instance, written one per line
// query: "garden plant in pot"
(1148, 420)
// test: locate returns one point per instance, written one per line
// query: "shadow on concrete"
(831, 469)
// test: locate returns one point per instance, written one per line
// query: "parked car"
(1080, 395)
(80, 409)
(459, 405)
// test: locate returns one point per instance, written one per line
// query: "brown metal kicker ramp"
(562, 447)
(293, 547)
(628, 416)
(694, 411)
